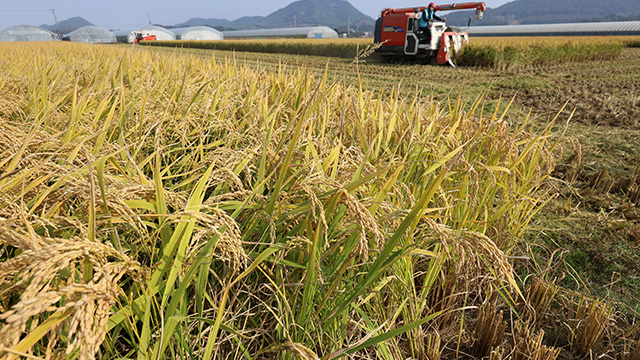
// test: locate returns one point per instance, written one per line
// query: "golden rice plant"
(514, 57)
(494, 52)
(162, 205)
(524, 41)
(510, 53)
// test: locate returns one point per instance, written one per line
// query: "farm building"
(197, 33)
(26, 33)
(160, 33)
(91, 35)
(575, 29)
(318, 32)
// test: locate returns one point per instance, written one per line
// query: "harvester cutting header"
(418, 33)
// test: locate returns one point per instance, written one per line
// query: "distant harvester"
(159, 32)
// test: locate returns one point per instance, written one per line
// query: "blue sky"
(126, 14)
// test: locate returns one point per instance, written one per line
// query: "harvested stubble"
(211, 209)
(528, 345)
(633, 354)
(537, 298)
(588, 322)
(489, 330)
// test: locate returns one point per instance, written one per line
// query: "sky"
(128, 14)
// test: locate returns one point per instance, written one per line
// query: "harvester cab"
(399, 35)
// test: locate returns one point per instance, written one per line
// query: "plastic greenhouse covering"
(318, 32)
(197, 33)
(602, 28)
(91, 35)
(27, 33)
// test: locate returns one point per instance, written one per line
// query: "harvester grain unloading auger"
(398, 33)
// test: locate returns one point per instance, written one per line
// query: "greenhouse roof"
(26, 33)
(310, 32)
(601, 28)
(197, 33)
(91, 34)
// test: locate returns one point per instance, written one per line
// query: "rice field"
(164, 205)
(504, 41)
(340, 48)
(505, 53)
(517, 52)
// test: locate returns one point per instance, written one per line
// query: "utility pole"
(55, 18)
(295, 21)
(149, 16)
(349, 27)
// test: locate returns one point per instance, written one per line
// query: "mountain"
(613, 17)
(204, 22)
(549, 12)
(223, 24)
(331, 13)
(246, 22)
(67, 26)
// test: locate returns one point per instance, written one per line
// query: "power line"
(47, 10)
(52, 10)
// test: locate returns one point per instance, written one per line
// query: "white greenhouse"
(571, 29)
(197, 33)
(318, 32)
(92, 35)
(27, 33)
(160, 33)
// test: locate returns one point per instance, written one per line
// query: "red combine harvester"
(398, 32)
(141, 36)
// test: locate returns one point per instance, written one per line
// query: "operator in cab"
(428, 15)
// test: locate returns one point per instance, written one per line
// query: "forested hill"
(332, 13)
(67, 26)
(340, 13)
(552, 11)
